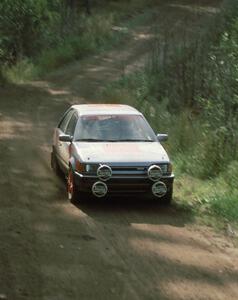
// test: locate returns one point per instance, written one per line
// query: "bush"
(22, 23)
(22, 71)
(54, 58)
(203, 77)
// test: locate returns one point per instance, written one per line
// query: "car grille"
(140, 171)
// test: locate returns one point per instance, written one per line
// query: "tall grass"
(225, 205)
(223, 201)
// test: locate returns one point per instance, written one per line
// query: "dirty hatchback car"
(111, 149)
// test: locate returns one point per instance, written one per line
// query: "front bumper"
(122, 184)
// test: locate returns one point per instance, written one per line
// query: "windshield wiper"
(94, 140)
(113, 141)
(135, 140)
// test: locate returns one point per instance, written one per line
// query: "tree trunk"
(87, 6)
(72, 4)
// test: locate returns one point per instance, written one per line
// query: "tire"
(72, 191)
(55, 164)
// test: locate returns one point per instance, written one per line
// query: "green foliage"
(220, 104)
(191, 91)
(21, 27)
(54, 58)
(204, 79)
(50, 34)
(22, 71)
(203, 128)
(94, 33)
(231, 175)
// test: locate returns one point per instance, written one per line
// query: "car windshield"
(114, 128)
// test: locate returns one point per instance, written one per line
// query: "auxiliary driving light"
(104, 172)
(99, 189)
(159, 189)
(154, 173)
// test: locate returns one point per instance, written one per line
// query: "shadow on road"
(135, 210)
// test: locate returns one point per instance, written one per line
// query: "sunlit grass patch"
(22, 72)
(225, 205)
(211, 198)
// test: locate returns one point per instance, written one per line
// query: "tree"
(74, 4)
(88, 6)
(22, 23)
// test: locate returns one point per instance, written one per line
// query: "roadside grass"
(212, 202)
(23, 71)
(214, 195)
(225, 205)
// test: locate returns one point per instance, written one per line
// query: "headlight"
(104, 172)
(86, 168)
(170, 168)
(154, 173)
(91, 168)
(166, 168)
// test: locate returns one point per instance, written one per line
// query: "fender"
(72, 163)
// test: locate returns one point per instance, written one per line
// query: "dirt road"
(123, 249)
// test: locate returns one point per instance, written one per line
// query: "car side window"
(64, 122)
(72, 124)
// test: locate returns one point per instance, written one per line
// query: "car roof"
(102, 109)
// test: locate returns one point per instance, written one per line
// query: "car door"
(61, 130)
(70, 128)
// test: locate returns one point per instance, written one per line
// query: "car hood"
(118, 152)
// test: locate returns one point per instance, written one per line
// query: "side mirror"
(65, 138)
(162, 137)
